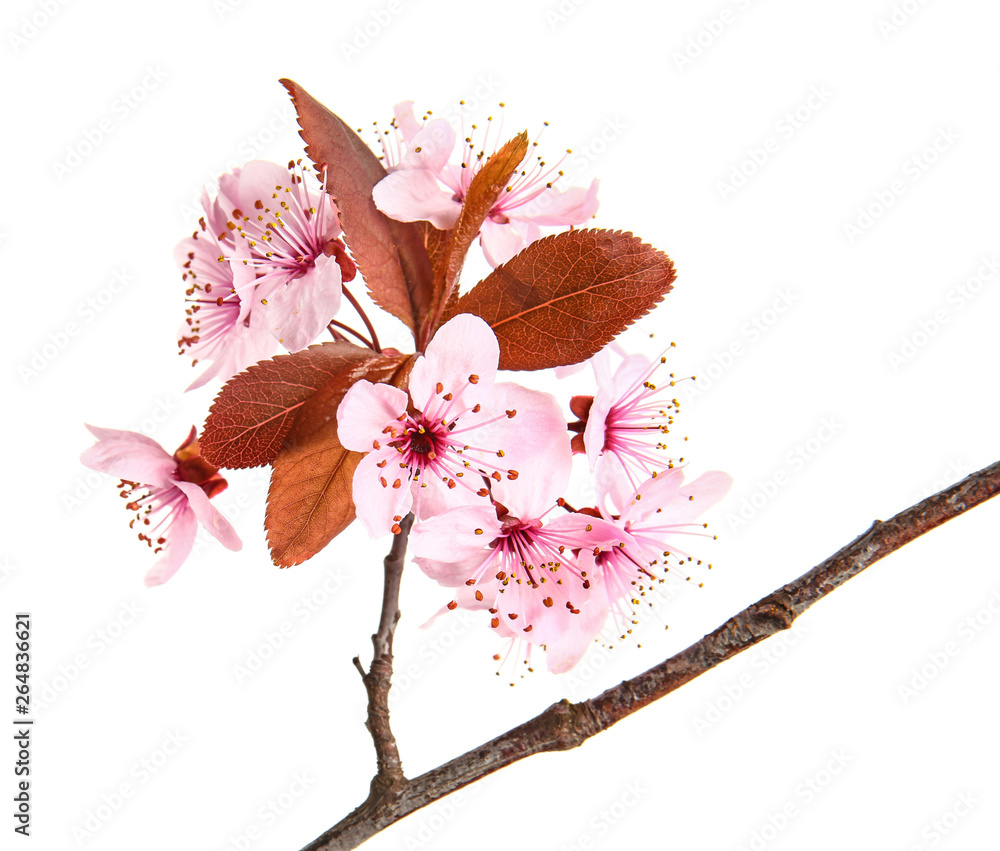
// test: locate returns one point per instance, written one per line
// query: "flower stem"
(364, 318)
(349, 330)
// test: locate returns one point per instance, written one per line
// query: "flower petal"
(209, 516)
(130, 456)
(616, 486)
(452, 536)
(571, 207)
(535, 444)
(257, 180)
(500, 242)
(183, 528)
(677, 503)
(565, 652)
(406, 121)
(377, 498)
(434, 497)
(464, 346)
(300, 310)
(411, 195)
(364, 413)
(243, 345)
(430, 148)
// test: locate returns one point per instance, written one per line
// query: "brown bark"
(566, 725)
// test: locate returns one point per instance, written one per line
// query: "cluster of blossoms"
(547, 574)
(265, 269)
(483, 465)
(424, 185)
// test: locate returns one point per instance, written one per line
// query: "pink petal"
(406, 121)
(680, 503)
(464, 346)
(436, 499)
(615, 487)
(243, 346)
(535, 443)
(209, 516)
(411, 195)
(571, 207)
(183, 528)
(364, 413)
(299, 311)
(436, 141)
(500, 242)
(377, 504)
(572, 369)
(451, 574)
(257, 180)
(704, 492)
(130, 456)
(547, 623)
(612, 478)
(604, 399)
(587, 532)
(568, 649)
(452, 536)
(215, 216)
(631, 372)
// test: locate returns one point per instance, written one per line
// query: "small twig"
(344, 327)
(364, 318)
(566, 725)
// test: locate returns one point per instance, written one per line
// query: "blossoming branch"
(356, 430)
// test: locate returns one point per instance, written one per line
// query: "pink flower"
(286, 255)
(450, 439)
(622, 428)
(652, 528)
(220, 327)
(177, 488)
(421, 186)
(418, 153)
(510, 558)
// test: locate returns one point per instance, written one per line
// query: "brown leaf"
(309, 502)
(484, 189)
(318, 415)
(255, 410)
(435, 241)
(566, 296)
(390, 254)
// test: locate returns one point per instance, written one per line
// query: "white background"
(907, 411)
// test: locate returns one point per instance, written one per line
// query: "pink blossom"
(653, 527)
(177, 489)
(422, 186)
(220, 327)
(622, 428)
(286, 256)
(514, 560)
(449, 439)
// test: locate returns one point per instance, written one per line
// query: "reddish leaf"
(318, 416)
(435, 241)
(253, 413)
(484, 189)
(309, 502)
(390, 254)
(566, 296)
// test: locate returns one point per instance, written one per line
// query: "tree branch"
(389, 779)
(566, 725)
